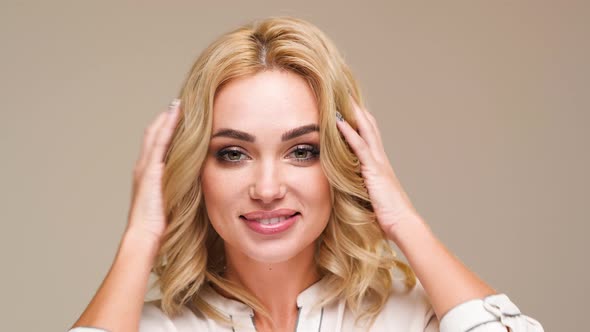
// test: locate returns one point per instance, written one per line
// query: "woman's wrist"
(118, 303)
(142, 240)
(406, 227)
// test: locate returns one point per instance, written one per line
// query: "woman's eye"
(305, 153)
(231, 156)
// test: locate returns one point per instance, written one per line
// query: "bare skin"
(267, 173)
(403, 225)
(118, 302)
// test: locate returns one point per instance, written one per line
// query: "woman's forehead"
(267, 99)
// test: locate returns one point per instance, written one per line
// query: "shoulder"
(412, 305)
(153, 319)
(414, 297)
(404, 310)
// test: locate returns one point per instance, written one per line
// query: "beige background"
(483, 107)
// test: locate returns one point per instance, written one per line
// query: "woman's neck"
(276, 285)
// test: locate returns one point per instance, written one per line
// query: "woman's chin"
(272, 255)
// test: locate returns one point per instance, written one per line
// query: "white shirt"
(404, 312)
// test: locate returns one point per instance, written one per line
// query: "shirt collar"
(305, 300)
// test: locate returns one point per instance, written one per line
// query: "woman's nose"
(267, 184)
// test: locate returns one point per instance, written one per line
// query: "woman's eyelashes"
(309, 152)
(301, 154)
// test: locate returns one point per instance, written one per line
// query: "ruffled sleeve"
(494, 313)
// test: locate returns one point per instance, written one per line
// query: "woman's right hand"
(111, 309)
(146, 215)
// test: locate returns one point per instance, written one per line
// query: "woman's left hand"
(390, 202)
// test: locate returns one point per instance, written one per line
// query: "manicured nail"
(173, 105)
(339, 116)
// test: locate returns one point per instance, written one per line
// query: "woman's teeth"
(271, 220)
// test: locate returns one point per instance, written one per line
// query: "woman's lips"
(269, 229)
(265, 214)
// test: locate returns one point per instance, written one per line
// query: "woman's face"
(259, 169)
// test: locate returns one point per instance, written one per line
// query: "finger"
(151, 133)
(149, 136)
(366, 129)
(374, 136)
(162, 140)
(379, 150)
(356, 142)
(148, 140)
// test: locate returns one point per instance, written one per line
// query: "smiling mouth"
(270, 220)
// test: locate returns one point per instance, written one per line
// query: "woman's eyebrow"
(288, 135)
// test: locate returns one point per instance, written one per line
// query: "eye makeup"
(228, 155)
(311, 151)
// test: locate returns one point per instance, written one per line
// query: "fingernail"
(173, 105)
(339, 116)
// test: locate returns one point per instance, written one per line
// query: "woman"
(248, 227)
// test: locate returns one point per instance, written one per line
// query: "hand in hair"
(111, 308)
(403, 225)
(146, 214)
(390, 202)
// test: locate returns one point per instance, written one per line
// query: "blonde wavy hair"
(352, 253)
